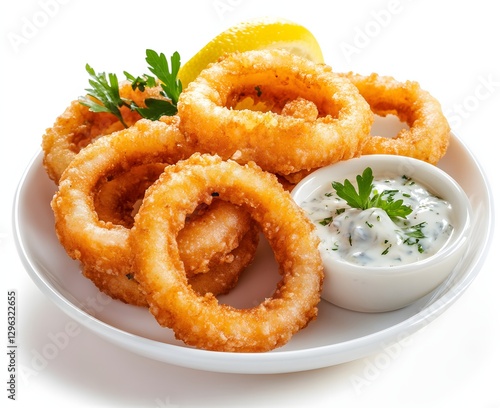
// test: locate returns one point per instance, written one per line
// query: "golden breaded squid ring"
(116, 199)
(428, 135)
(293, 135)
(102, 247)
(210, 235)
(222, 277)
(200, 320)
(218, 280)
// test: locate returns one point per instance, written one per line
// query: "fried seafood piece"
(201, 321)
(117, 197)
(428, 135)
(307, 116)
(210, 235)
(222, 277)
(77, 126)
(102, 245)
(219, 279)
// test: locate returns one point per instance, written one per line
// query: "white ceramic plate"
(337, 336)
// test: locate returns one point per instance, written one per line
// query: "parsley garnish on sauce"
(367, 197)
(104, 92)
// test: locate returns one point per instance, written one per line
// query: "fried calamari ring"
(298, 137)
(117, 199)
(102, 247)
(77, 126)
(219, 280)
(222, 277)
(210, 235)
(428, 135)
(200, 320)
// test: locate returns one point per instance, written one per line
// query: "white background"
(450, 47)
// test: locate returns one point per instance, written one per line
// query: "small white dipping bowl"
(381, 289)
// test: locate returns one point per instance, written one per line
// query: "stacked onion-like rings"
(212, 239)
(210, 231)
(218, 280)
(202, 321)
(77, 126)
(284, 140)
(428, 135)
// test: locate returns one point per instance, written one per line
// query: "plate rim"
(254, 363)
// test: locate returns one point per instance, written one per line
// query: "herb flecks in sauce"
(384, 222)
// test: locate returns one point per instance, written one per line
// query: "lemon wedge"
(256, 34)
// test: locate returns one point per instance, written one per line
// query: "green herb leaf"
(156, 108)
(415, 231)
(356, 199)
(141, 82)
(366, 197)
(158, 65)
(414, 234)
(391, 207)
(104, 94)
(326, 221)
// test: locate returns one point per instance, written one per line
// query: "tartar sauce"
(370, 237)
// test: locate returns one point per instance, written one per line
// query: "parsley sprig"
(367, 197)
(104, 92)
